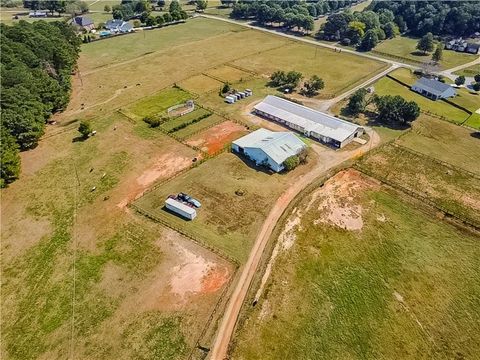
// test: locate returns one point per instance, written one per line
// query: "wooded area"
(37, 61)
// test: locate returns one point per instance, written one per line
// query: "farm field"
(405, 48)
(446, 142)
(226, 221)
(312, 60)
(133, 277)
(177, 123)
(473, 121)
(449, 188)
(190, 130)
(362, 274)
(200, 84)
(386, 86)
(157, 104)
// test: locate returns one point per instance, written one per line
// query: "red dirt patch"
(214, 139)
(215, 278)
(164, 167)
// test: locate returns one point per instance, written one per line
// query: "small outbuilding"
(433, 89)
(269, 148)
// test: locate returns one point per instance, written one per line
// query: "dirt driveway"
(327, 160)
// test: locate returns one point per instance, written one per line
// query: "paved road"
(227, 326)
(324, 105)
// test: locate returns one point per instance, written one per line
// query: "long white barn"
(315, 124)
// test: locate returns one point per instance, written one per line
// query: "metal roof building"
(312, 123)
(269, 148)
(433, 89)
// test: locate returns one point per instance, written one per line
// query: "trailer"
(248, 92)
(242, 94)
(230, 99)
(180, 208)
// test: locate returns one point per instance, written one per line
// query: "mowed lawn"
(404, 286)
(452, 189)
(157, 104)
(226, 221)
(470, 71)
(405, 48)
(386, 86)
(339, 71)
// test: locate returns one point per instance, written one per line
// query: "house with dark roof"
(433, 89)
(83, 22)
(118, 26)
(473, 48)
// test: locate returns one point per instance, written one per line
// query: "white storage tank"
(180, 208)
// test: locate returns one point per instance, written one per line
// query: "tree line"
(37, 61)
(72, 7)
(141, 9)
(291, 13)
(362, 29)
(457, 18)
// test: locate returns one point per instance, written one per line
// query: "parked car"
(189, 200)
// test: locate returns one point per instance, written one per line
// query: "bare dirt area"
(216, 138)
(337, 200)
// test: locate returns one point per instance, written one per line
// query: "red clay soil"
(215, 278)
(216, 138)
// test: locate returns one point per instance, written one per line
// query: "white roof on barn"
(309, 119)
(276, 145)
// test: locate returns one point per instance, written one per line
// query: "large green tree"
(426, 44)
(37, 61)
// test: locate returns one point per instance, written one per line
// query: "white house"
(315, 124)
(433, 89)
(269, 148)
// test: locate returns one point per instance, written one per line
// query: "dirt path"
(329, 159)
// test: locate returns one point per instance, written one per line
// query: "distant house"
(118, 26)
(461, 45)
(473, 48)
(36, 14)
(433, 89)
(269, 148)
(84, 22)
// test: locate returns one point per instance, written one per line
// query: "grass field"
(473, 121)
(227, 73)
(451, 189)
(52, 221)
(170, 125)
(158, 103)
(404, 286)
(312, 60)
(199, 126)
(470, 71)
(405, 48)
(226, 221)
(200, 84)
(453, 144)
(386, 86)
